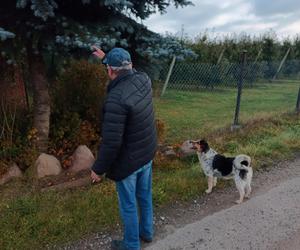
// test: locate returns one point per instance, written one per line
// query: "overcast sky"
(229, 16)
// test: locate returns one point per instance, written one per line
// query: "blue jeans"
(135, 190)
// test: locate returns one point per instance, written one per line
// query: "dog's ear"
(202, 141)
(204, 145)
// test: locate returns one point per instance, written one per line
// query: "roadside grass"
(37, 220)
(30, 220)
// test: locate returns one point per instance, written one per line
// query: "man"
(128, 146)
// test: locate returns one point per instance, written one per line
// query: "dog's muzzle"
(193, 143)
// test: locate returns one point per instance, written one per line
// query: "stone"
(82, 159)
(170, 153)
(13, 172)
(163, 148)
(47, 165)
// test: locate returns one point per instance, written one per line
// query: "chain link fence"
(199, 76)
(202, 77)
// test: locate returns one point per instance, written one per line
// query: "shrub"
(63, 147)
(77, 100)
(80, 89)
(15, 124)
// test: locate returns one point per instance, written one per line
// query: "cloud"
(227, 16)
(274, 7)
(290, 29)
(191, 17)
(232, 14)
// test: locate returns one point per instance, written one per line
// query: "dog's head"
(200, 145)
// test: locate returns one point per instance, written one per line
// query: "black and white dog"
(216, 166)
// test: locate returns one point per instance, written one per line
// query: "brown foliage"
(80, 89)
(77, 101)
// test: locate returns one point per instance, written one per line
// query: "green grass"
(34, 220)
(30, 220)
(194, 114)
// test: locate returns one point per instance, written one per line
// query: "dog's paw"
(247, 196)
(208, 191)
(238, 201)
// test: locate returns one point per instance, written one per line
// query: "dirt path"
(171, 220)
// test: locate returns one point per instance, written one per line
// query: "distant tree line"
(267, 47)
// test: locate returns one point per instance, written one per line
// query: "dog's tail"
(242, 162)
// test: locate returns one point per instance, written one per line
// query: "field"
(195, 114)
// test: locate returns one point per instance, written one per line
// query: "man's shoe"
(118, 245)
(146, 240)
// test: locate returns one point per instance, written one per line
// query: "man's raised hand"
(98, 52)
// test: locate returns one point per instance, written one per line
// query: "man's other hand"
(95, 178)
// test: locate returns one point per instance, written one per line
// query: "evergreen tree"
(32, 29)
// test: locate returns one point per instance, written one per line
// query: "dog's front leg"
(210, 182)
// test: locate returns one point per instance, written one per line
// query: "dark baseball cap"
(117, 57)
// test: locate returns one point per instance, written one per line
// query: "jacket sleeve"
(113, 126)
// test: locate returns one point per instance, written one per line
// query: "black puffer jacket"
(128, 129)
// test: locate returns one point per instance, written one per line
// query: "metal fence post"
(281, 64)
(258, 55)
(168, 76)
(298, 102)
(235, 124)
(221, 56)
